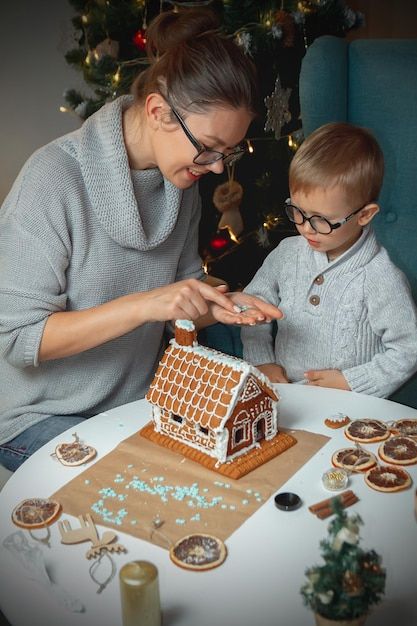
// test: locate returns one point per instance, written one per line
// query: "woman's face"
(220, 129)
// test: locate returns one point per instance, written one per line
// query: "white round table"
(259, 583)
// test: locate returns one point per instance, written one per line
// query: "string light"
(116, 76)
(251, 149)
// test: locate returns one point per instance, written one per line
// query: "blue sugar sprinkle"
(245, 501)
(130, 466)
(133, 522)
(196, 517)
(86, 482)
(180, 521)
(232, 507)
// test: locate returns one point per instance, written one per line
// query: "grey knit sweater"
(78, 229)
(355, 314)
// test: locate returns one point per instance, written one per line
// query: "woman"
(98, 237)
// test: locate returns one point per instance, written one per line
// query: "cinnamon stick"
(324, 504)
(323, 513)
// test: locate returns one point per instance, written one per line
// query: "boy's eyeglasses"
(318, 223)
(204, 155)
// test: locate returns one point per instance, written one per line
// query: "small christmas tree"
(351, 580)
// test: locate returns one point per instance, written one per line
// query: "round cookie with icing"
(367, 431)
(399, 450)
(35, 513)
(198, 552)
(338, 420)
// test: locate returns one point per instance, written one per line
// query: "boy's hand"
(327, 378)
(248, 310)
(274, 372)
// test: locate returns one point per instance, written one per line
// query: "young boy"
(350, 320)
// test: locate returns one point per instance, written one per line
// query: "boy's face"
(334, 205)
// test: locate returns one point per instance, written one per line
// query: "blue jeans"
(14, 452)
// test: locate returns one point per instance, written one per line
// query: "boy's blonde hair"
(339, 154)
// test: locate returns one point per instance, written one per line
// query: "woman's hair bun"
(172, 28)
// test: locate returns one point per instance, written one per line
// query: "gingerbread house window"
(204, 431)
(241, 433)
(177, 418)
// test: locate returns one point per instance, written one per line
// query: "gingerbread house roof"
(201, 384)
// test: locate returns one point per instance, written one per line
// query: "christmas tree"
(351, 579)
(111, 41)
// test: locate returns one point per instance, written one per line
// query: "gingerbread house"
(213, 402)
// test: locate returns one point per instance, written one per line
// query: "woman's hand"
(250, 309)
(275, 373)
(194, 299)
(327, 378)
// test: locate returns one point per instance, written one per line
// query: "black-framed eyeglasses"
(204, 155)
(318, 223)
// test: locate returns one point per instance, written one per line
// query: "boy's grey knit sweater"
(79, 229)
(355, 314)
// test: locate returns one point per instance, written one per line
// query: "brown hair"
(339, 154)
(194, 65)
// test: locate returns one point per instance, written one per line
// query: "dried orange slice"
(406, 427)
(388, 478)
(399, 450)
(367, 431)
(198, 552)
(35, 513)
(354, 459)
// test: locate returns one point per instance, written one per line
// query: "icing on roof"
(202, 384)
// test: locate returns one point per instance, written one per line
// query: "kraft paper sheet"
(140, 480)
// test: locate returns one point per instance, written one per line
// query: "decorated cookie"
(399, 450)
(406, 426)
(367, 431)
(75, 453)
(35, 513)
(338, 420)
(354, 459)
(388, 478)
(198, 552)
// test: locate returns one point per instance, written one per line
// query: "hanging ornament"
(307, 7)
(278, 112)
(219, 242)
(139, 39)
(286, 22)
(227, 198)
(352, 584)
(107, 47)
(244, 40)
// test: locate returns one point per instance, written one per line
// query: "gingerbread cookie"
(354, 459)
(35, 513)
(198, 552)
(399, 450)
(406, 427)
(367, 431)
(338, 420)
(388, 478)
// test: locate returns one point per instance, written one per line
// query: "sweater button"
(314, 300)
(319, 280)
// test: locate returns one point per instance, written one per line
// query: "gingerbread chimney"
(185, 333)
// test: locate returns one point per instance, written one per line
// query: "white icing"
(185, 325)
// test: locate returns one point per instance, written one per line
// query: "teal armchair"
(373, 83)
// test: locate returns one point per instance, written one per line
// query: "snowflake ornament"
(278, 112)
